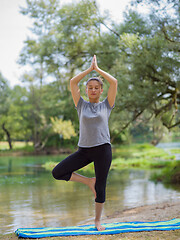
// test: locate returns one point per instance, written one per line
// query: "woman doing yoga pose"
(94, 138)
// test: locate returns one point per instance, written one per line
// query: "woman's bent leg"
(65, 170)
(90, 182)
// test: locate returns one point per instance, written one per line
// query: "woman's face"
(94, 90)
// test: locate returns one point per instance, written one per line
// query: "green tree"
(142, 53)
(148, 68)
(58, 50)
(4, 108)
(19, 117)
(14, 113)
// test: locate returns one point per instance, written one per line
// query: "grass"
(17, 146)
(146, 151)
(142, 163)
(143, 156)
(176, 150)
(169, 175)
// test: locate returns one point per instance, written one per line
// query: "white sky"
(14, 31)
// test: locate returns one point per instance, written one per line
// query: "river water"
(30, 197)
(169, 146)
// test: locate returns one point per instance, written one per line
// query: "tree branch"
(117, 34)
(172, 126)
(8, 135)
(133, 119)
(166, 35)
(158, 111)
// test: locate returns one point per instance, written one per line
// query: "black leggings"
(100, 155)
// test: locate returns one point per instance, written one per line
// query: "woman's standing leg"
(102, 165)
(98, 211)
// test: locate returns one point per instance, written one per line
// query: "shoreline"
(163, 211)
(155, 212)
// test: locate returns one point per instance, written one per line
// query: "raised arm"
(75, 91)
(112, 81)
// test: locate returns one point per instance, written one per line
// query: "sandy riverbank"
(156, 212)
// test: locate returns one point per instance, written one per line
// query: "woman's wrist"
(90, 69)
(98, 70)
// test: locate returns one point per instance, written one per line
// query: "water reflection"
(30, 197)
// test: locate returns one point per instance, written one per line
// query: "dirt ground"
(157, 212)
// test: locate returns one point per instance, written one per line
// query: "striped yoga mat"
(111, 228)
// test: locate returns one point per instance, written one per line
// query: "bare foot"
(99, 226)
(91, 185)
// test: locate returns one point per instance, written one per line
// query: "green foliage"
(137, 163)
(49, 165)
(142, 53)
(12, 115)
(175, 150)
(141, 151)
(4, 95)
(169, 175)
(148, 70)
(148, 157)
(51, 55)
(144, 156)
(18, 146)
(134, 24)
(63, 128)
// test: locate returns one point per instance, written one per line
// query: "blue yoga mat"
(111, 228)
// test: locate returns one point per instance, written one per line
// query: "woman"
(94, 139)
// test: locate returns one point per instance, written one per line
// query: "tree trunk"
(8, 135)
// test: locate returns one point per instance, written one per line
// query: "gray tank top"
(93, 123)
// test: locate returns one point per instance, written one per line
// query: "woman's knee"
(59, 174)
(55, 174)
